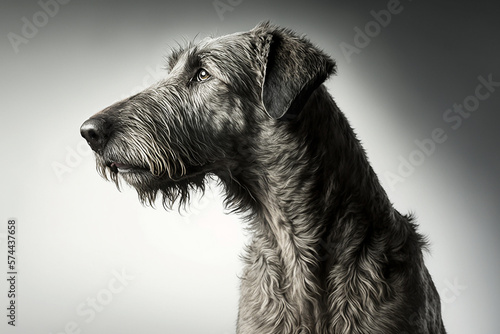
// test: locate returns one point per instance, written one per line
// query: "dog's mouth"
(118, 167)
(126, 169)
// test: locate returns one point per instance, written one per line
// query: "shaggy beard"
(150, 187)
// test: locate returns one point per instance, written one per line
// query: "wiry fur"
(329, 253)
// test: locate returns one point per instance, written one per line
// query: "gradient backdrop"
(93, 260)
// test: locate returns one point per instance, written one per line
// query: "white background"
(77, 233)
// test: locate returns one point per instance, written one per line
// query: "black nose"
(96, 132)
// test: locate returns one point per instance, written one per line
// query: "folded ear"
(292, 69)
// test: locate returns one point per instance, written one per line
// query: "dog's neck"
(310, 183)
(313, 164)
(343, 170)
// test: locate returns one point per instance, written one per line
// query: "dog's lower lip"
(119, 167)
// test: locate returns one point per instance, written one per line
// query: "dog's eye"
(202, 75)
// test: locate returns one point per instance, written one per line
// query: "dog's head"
(217, 98)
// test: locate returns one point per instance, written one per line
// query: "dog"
(329, 253)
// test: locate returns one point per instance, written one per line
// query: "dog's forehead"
(209, 46)
(224, 41)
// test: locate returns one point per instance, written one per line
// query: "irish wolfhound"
(329, 253)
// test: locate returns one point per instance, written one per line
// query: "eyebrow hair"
(193, 54)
